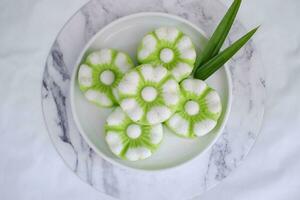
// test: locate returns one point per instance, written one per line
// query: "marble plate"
(125, 34)
(189, 180)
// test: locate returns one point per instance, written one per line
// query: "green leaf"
(216, 41)
(219, 60)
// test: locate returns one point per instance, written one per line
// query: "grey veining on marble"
(181, 183)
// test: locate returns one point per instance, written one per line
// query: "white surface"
(31, 169)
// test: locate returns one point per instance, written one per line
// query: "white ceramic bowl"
(124, 34)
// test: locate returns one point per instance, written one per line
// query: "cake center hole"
(149, 93)
(107, 77)
(166, 55)
(133, 131)
(191, 107)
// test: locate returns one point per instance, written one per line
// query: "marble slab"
(189, 180)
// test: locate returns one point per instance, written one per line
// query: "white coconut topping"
(184, 43)
(107, 77)
(179, 124)
(166, 55)
(116, 117)
(189, 54)
(171, 98)
(191, 108)
(132, 108)
(122, 63)
(213, 102)
(103, 56)
(158, 114)
(98, 97)
(114, 142)
(94, 58)
(147, 72)
(130, 83)
(194, 86)
(156, 134)
(153, 74)
(133, 131)
(149, 44)
(181, 70)
(85, 76)
(170, 86)
(203, 127)
(144, 53)
(161, 33)
(149, 93)
(160, 72)
(145, 153)
(134, 154)
(167, 33)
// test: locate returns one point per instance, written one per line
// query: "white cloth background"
(31, 169)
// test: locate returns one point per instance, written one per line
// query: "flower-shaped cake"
(129, 140)
(149, 94)
(100, 75)
(198, 112)
(171, 48)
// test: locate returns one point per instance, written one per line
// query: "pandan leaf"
(219, 60)
(216, 41)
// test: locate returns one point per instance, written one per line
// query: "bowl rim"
(72, 89)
